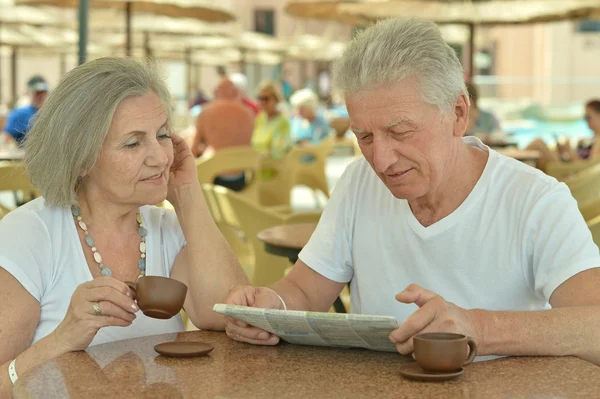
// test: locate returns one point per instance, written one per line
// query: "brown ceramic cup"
(158, 297)
(443, 352)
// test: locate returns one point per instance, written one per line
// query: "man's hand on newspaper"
(434, 315)
(257, 297)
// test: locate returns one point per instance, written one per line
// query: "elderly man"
(225, 122)
(485, 246)
(19, 121)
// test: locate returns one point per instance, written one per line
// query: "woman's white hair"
(70, 128)
(305, 98)
(393, 50)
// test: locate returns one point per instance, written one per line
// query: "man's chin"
(404, 192)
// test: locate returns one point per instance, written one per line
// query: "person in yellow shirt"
(271, 135)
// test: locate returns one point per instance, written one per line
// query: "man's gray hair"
(393, 50)
(70, 128)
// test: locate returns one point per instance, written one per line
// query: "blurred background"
(535, 63)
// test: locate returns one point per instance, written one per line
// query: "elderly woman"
(308, 125)
(102, 154)
(271, 134)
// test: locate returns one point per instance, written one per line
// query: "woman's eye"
(132, 145)
(164, 136)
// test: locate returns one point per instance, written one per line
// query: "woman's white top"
(40, 247)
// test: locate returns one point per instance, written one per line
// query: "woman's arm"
(207, 264)
(19, 317)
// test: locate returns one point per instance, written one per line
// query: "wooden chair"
(590, 209)
(594, 226)
(582, 176)
(228, 224)
(308, 166)
(303, 165)
(231, 159)
(585, 186)
(340, 126)
(13, 178)
(561, 170)
(245, 219)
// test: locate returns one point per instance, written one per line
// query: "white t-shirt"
(508, 246)
(40, 247)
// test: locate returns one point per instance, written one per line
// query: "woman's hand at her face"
(183, 170)
(99, 303)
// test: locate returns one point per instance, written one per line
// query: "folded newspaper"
(344, 330)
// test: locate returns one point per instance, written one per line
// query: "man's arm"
(572, 327)
(305, 289)
(301, 289)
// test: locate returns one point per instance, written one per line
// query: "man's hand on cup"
(257, 297)
(434, 315)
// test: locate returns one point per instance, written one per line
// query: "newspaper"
(319, 329)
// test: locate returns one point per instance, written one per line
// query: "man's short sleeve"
(560, 242)
(329, 250)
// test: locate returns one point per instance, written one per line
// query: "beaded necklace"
(104, 270)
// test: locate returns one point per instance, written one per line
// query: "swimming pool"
(525, 131)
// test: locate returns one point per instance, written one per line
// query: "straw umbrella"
(20, 16)
(196, 9)
(471, 13)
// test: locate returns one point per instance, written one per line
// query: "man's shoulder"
(526, 182)
(26, 110)
(229, 106)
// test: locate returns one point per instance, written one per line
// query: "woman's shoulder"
(31, 217)
(159, 216)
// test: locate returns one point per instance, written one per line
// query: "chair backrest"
(590, 209)
(340, 125)
(14, 178)
(231, 159)
(561, 170)
(222, 213)
(252, 219)
(594, 226)
(303, 165)
(583, 176)
(307, 166)
(585, 185)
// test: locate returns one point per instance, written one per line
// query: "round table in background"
(13, 154)
(288, 240)
(131, 369)
(529, 157)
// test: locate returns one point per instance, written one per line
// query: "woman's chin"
(155, 198)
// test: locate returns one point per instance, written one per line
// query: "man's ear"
(461, 115)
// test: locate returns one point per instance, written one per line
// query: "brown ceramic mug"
(158, 297)
(443, 352)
